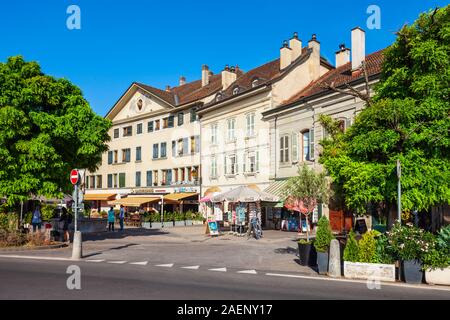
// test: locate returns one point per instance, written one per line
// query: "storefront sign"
(213, 228)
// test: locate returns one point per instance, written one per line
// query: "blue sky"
(155, 42)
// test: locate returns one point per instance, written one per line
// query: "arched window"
(255, 82)
(306, 145)
(218, 97)
(236, 91)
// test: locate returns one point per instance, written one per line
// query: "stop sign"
(74, 177)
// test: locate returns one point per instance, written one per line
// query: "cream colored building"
(234, 138)
(155, 144)
(295, 130)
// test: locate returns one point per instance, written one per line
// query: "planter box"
(196, 222)
(322, 262)
(438, 276)
(412, 271)
(307, 255)
(179, 223)
(369, 271)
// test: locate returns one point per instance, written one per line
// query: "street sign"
(74, 177)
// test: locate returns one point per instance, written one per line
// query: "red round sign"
(74, 176)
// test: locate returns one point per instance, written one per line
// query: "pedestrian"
(121, 217)
(66, 220)
(111, 219)
(36, 220)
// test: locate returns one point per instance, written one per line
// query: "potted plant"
(410, 244)
(322, 244)
(368, 259)
(436, 262)
(307, 253)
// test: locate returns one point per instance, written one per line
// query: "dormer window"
(218, 97)
(236, 91)
(255, 82)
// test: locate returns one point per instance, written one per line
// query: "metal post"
(162, 211)
(399, 192)
(76, 208)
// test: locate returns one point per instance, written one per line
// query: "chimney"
(358, 47)
(314, 60)
(228, 77)
(296, 47)
(342, 56)
(205, 75)
(285, 55)
(182, 81)
(168, 88)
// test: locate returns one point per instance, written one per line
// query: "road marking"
(143, 263)
(219, 270)
(392, 284)
(117, 262)
(170, 265)
(95, 261)
(248, 272)
(191, 268)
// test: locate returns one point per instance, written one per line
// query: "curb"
(21, 249)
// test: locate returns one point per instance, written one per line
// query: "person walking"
(65, 220)
(121, 217)
(111, 219)
(36, 219)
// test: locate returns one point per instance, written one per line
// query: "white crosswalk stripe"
(143, 263)
(95, 261)
(219, 270)
(170, 265)
(117, 262)
(191, 268)
(248, 272)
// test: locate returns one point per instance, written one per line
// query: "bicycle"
(255, 227)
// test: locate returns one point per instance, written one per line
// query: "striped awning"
(99, 197)
(179, 196)
(134, 201)
(277, 188)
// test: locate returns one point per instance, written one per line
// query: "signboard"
(213, 228)
(361, 226)
(74, 177)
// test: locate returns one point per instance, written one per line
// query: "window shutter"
(294, 147)
(311, 144)
(197, 144)
(225, 164)
(244, 162)
(110, 157)
(257, 161)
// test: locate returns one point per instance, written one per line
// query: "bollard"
(334, 267)
(77, 250)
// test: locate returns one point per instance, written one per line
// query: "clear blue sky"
(155, 42)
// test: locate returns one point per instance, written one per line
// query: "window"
(214, 133)
(174, 149)
(126, 155)
(295, 147)
(138, 153)
(255, 82)
(115, 180)
(306, 146)
(193, 140)
(169, 177)
(185, 146)
(171, 122)
(99, 182)
(138, 179)
(218, 97)
(121, 180)
(155, 178)
(231, 164)
(157, 125)
(149, 178)
(180, 119)
(116, 133)
(236, 91)
(231, 129)
(165, 123)
(150, 126)
(110, 157)
(251, 163)
(250, 125)
(193, 115)
(155, 151)
(139, 128)
(213, 173)
(163, 150)
(311, 144)
(116, 156)
(194, 174)
(128, 131)
(284, 149)
(110, 181)
(140, 104)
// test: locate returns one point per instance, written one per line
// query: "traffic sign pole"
(77, 239)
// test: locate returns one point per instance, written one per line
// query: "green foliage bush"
(368, 248)
(323, 235)
(384, 253)
(409, 242)
(47, 212)
(351, 251)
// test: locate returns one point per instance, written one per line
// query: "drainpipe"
(276, 152)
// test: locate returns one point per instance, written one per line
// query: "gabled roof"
(339, 76)
(266, 75)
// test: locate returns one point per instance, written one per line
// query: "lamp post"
(399, 192)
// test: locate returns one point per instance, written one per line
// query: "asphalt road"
(36, 279)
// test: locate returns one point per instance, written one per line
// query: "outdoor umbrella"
(244, 194)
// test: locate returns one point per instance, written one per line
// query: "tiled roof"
(339, 77)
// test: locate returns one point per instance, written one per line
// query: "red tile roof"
(339, 77)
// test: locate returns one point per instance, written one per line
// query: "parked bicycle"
(255, 228)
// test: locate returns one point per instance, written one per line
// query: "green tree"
(324, 235)
(408, 120)
(305, 191)
(46, 129)
(351, 251)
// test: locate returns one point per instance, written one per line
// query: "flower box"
(369, 271)
(438, 276)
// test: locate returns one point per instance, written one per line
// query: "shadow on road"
(138, 232)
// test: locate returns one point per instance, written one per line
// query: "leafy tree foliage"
(408, 120)
(46, 129)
